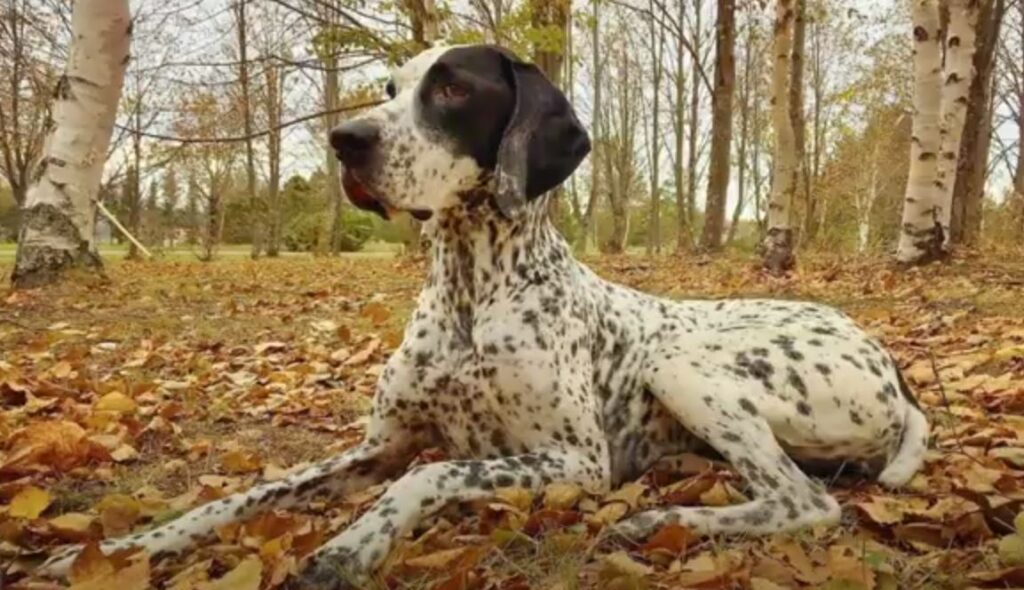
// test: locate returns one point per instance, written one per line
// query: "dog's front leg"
(347, 560)
(371, 462)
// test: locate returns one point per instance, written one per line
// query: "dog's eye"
(390, 89)
(452, 92)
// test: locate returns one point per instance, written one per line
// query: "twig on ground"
(949, 411)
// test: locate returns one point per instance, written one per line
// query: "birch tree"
(59, 212)
(939, 110)
(778, 243)
(957, 77)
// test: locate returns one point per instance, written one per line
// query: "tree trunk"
(721, 126)
(684, 236)
(778, 245)
(256, 207)
(135, 178)
(957, 75)
(812, 162)
(741, 155)
(1018, 176)
(921, 237)
(275, 79)
(691, 147)
(796, 104)
(425, 22)
(335, 196)
(549, 16)
(657, 55)
(59, 214)
(972, 164)
(597, 152)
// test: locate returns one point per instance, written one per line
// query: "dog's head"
(460, 119)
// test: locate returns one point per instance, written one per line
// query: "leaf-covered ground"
(125, 404)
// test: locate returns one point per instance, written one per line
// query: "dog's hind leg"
(785, 498)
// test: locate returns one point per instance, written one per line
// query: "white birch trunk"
(59, 214)
(957, 77)
(921, 235)
(778, 243)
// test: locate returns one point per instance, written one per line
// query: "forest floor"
(126, 403)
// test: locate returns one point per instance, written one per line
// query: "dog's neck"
(479, 256)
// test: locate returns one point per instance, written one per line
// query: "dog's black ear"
(543, 142)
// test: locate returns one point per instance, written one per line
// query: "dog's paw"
(639, 526)
(59, 564)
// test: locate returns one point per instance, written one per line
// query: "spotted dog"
(528, 368)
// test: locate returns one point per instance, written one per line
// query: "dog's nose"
(354, 141)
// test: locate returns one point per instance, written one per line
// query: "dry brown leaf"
(561, 495)
(673, 538)
(630, 493)
(519, 498)
(118, 513)
(117, 403)
(29, 503)
(135, 576)
(246, 576)
(621, 563)
(236, 462)
(437, 560)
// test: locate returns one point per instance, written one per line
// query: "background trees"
(677, 96)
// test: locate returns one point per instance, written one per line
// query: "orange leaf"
(673, 538)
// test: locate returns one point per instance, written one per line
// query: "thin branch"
(240, 138)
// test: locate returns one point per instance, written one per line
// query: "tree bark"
(657, 55)
(921, 237)
(796, 105)
(957, 77)
(256, 206)
(59, 214)
(135, 181)
(548, 16)
(684, 236)
(597, 152)
(812, 162)
(425, 22)
(745, 102)
(1018, 175)
(335, 196)
(721, 126)
(972, 162)
(275, 82)
(691, 147)
(778, 244)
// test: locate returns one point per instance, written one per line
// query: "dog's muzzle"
(355, 143)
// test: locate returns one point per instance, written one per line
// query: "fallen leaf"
(29, 503)
(116, 402)
(246, 576)
(561, 496)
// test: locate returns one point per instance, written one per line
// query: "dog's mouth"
(362, 197)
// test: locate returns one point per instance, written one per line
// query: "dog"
(527, 368)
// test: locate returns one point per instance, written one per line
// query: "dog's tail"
(909, 455)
